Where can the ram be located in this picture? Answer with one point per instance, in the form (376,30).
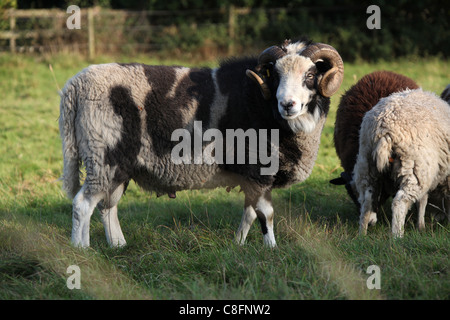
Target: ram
(119,120)
(352,107)
(405,143)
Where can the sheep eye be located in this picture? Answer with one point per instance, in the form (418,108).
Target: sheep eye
(310,76)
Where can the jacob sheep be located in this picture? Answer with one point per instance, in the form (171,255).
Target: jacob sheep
(122,122)
(405,138)
(352,107)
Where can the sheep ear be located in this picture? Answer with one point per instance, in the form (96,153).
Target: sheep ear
(343,179)
(265,91)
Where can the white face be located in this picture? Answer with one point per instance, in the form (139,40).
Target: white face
(295,91)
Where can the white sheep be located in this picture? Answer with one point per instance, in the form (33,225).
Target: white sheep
(404,139)
(354,104)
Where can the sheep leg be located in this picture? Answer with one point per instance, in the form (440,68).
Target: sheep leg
(400,206)
(421,205)
(110,221)
(108,213)
(258,207)
(83,207)
(265,213)
(368,216)
(248,216)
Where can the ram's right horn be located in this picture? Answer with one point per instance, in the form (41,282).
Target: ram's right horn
(332,79)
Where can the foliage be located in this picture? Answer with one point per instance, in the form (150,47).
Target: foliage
(4,6)
(408,27)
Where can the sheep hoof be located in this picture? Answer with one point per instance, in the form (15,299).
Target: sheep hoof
(172,195)
(372,219)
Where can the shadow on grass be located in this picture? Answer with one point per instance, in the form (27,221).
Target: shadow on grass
(318,201)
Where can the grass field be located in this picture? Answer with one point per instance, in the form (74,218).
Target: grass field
(183,248)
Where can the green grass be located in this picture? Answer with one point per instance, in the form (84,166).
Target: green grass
(183,248)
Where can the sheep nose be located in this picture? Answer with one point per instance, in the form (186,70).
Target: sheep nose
(287,105)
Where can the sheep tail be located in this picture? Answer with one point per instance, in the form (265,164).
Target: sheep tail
(72,162)
(382,153)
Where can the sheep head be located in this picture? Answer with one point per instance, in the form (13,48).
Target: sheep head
(298,72)
(329,65)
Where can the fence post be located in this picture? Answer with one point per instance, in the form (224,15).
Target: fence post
(12,26)
(91,33)
(231,28)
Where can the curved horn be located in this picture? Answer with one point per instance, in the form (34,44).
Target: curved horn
(265,91)
(269,55)
(332,79)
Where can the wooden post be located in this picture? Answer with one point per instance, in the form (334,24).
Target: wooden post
(12,26)
(231,28)
(91,33)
